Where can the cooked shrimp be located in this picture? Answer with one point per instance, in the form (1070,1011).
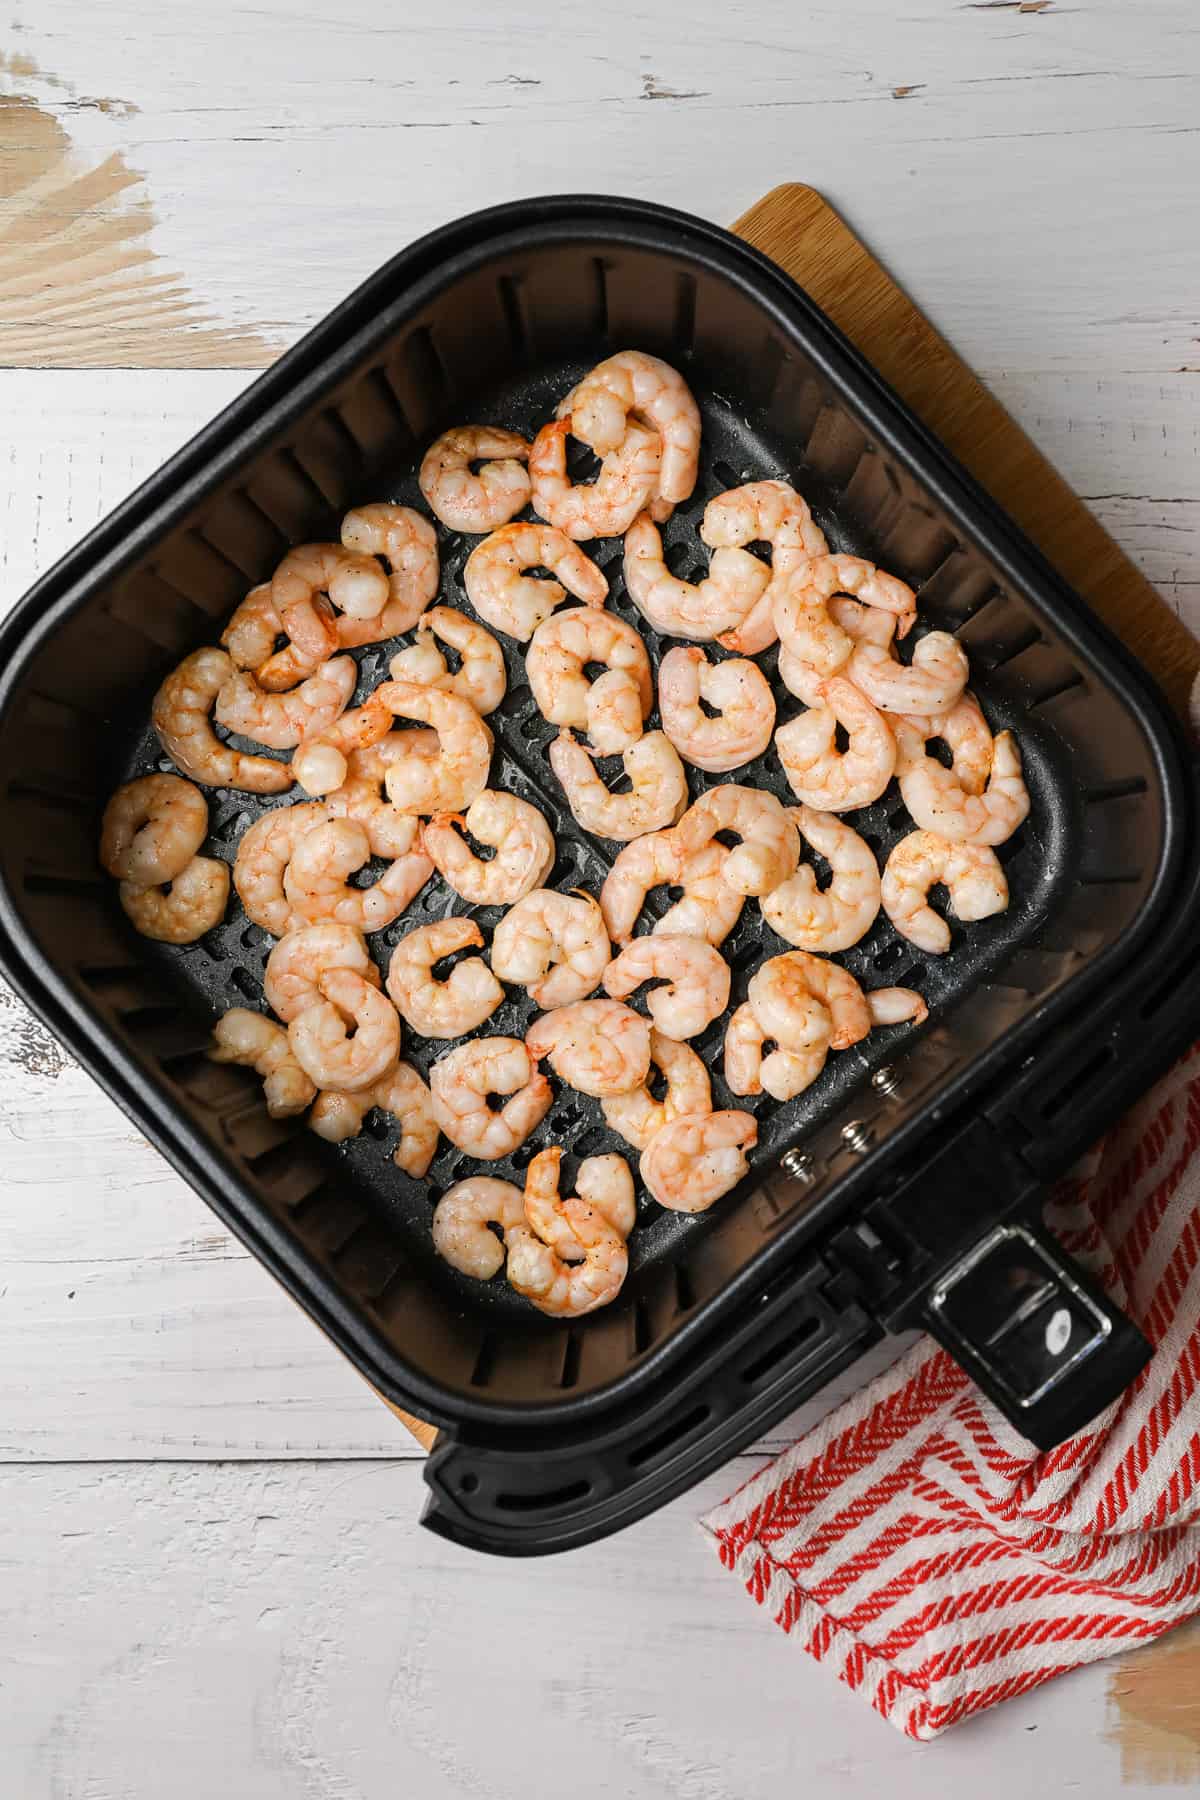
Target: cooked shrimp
(281,720)
(406,546)
(615,718)
(258,1043)
(696,977)
(442,1009)
(931,683)
(637,1115)
(737,689)
(399,1091)
(854,623)
(152,828)
(792,996)
(596,1046)
(751,1067)
(255,628)
(390,832)
(606,1183)
(836,917)
(804,618)
(656,798)
(770,848)
(317,884)
(554,945)
(633,383)
(775,512)
(516,603)
(463,1217)
(320,764)
(577,1261)
(181,716)
(348,1037)
(464,500)
(968,737)
(354,584)
(735,583)
(708,908)
(821,775)
(970,872)
(515,830)
(481,678)
(939,803)
(695,1159)
(897,1006)
(263,855)
(298,960)
(628,481)
(459,772)
(559,652)
(800,678)
(193,904)
(461,1082)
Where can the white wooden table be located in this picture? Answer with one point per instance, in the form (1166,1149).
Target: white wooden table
(211,1577)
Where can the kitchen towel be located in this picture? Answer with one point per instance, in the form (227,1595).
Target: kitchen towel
(920,1547)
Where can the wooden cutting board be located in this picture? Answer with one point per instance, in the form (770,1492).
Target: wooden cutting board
(802,233)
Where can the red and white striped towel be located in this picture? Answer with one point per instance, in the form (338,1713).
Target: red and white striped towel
(931,1555)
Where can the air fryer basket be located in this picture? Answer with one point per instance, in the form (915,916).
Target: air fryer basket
(493,319)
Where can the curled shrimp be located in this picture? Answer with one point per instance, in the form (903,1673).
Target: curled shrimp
(316,881)
(400,1092)
(281,720)
(298,960)
(391,833)
(932,683)
(258,1043)
(263,855)
(804,619)
(696,977)
(637,1115)
(856,624)
(462,1221)
(632,383)
(353,583)
(824,777)
(402,544)
(897,1006)
(515,830)
(793,995)
(348,1036)
(516,603)
(755,1063)
(152,828)
(695,1159)
(965,733)
(707,908)
(971,874)
(775,512)
(461,1082)
(835,917)
(939,803)
(442,1009)
(556,661)
(657,794)
(606,1184)
(735,583)
(459,772)
(181,716)
(597,1047)
(628,481)
(577,1260)
(737,690)
(321,763)
(464,500)
(194,903)
(770,848)
(256,627)
(481,678)
(554,945)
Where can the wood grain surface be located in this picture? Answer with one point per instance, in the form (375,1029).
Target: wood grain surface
(211,1563)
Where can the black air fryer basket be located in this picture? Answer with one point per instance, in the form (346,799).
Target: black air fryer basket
(905,1187)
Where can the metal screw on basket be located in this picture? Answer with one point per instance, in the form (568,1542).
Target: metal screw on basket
(857,1136)
(799,1165)
(886,1081)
